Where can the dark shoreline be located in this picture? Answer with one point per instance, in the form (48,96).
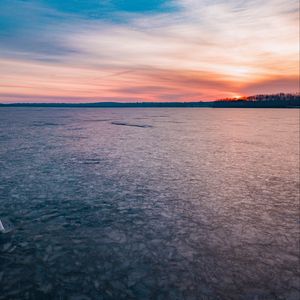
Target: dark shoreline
(258,101)
(150,105)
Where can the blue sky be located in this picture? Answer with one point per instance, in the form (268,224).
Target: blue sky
(91,7)
(32,24)
(147,50)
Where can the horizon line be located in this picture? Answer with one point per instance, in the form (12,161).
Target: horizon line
(240,98)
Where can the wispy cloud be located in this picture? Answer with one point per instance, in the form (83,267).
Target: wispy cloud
(191,51)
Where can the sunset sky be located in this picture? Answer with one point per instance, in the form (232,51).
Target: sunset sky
(155,50)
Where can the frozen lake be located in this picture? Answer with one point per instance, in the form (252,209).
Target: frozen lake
(143,204)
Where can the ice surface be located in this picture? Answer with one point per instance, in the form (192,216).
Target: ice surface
(204,205)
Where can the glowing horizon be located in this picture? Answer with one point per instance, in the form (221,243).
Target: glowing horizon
(176,50)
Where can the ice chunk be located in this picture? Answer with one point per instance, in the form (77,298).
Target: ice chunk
(1,227)
(5,226)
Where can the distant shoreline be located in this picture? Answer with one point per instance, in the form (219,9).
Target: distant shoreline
(149,105)
(258,101)
(91,105)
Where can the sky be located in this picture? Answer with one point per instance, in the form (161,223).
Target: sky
(147,50)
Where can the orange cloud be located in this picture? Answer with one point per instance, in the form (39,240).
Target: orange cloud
(202,52)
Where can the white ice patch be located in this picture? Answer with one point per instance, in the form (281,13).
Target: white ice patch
(5,226)
(2,229)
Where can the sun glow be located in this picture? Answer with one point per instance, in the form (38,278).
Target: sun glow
(238,97)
